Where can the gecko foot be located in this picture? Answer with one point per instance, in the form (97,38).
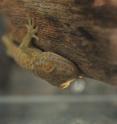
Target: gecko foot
(66,84)
(32,29)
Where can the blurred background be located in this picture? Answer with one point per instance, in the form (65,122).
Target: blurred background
(26,99)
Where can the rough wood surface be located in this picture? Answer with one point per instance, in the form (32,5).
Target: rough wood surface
(71,28)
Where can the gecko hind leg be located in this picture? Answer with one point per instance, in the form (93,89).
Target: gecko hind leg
(31,33)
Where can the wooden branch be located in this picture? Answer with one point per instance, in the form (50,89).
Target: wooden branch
(71,28)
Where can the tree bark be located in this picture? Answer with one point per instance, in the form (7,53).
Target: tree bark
(74,29)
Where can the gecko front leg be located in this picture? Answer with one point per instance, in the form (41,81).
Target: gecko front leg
(50,66)
(31,33)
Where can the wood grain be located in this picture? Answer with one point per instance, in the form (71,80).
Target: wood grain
(72,28)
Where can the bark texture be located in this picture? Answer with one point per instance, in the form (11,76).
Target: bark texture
(74,29)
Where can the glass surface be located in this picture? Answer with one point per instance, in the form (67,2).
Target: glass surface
(26,99)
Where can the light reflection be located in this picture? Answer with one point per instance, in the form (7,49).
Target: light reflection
(79,85)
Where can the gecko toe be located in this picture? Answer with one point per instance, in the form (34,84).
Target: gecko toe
(36,37)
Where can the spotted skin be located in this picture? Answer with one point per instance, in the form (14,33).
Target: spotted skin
(50,66)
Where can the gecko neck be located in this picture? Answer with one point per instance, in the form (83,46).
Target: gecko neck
(10,46)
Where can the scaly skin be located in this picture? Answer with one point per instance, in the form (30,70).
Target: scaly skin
(50,66)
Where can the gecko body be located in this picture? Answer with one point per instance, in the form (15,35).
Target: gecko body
(50,66)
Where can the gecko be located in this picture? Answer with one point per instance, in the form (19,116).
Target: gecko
(48,65)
